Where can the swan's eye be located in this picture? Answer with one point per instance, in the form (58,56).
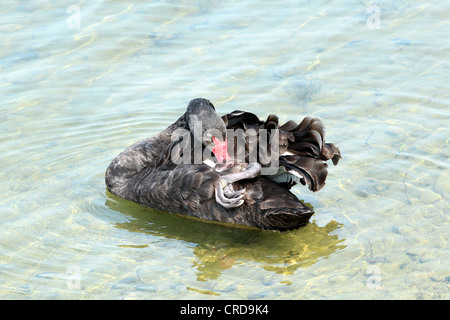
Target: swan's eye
(208,135)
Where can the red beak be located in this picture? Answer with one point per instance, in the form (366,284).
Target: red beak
(220,150)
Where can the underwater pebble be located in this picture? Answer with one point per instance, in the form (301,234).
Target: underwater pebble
(131,296)
(431,213)
(124,283)
(428,196)
(267,281)
(319,271)
(374,260)
(336,279)
(405,230)
(402,42)
(148,274)
(313,295)
(440,278)
(229,288)
(23,77)
(415,252)
(149,288)
(51,275)
(361,193)
(379,188)
(259,295)
(442,184)
(427,258)
(414,278)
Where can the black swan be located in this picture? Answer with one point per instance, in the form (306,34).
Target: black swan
(187,168)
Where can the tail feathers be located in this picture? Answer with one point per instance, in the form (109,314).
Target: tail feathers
(309,152)
(330,151)
(309,140)
(283,219)
(241,119)
(313,172)
(281,209)
(302,146)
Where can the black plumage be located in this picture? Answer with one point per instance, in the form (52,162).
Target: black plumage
(146,173)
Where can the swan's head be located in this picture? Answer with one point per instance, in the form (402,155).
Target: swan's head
(208,127)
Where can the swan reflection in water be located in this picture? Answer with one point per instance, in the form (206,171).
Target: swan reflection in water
(218,247)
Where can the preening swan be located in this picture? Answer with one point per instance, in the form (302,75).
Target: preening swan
(235,168)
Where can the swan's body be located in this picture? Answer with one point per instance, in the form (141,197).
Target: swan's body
(147,174)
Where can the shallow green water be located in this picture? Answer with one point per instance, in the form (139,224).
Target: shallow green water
(77,89)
